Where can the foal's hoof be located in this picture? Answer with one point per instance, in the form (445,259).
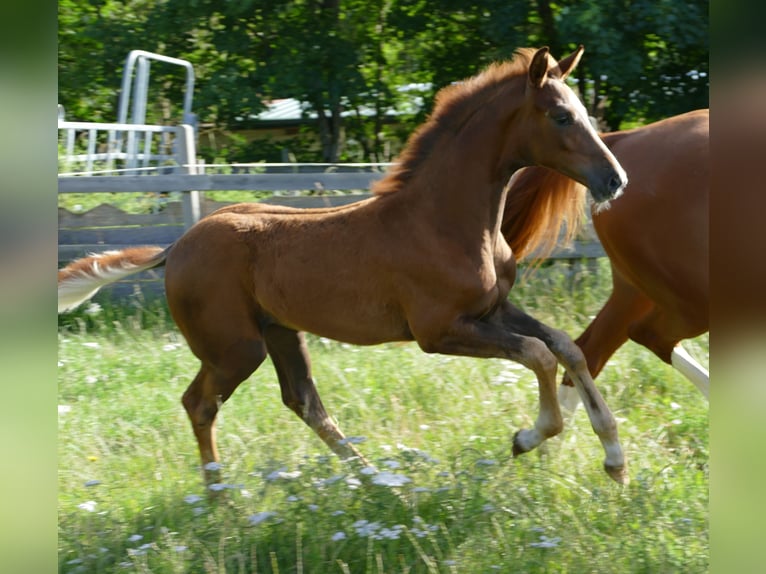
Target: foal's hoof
(518,448)
(617,473)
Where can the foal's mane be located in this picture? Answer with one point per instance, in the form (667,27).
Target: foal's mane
(539,203)
(454,106)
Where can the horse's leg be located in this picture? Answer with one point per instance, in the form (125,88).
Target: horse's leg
(496,336)
(661,333)
(573,360)
(606,333)
(212,386)
(287,349)
(691,369)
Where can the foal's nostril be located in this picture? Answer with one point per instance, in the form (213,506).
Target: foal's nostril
(616,183)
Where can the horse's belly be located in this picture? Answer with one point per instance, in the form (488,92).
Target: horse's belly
(358,323)
(340,302)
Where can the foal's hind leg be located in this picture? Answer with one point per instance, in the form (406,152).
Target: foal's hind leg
(571,356)
(289,354)
(212,386)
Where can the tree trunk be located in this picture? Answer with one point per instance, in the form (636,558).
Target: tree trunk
(549,27)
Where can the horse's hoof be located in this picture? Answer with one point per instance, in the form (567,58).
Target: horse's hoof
(618,473)
(517,449)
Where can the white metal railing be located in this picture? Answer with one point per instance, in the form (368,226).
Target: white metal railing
(91,148)
(138,64)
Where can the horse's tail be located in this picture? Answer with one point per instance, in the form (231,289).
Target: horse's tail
(82,278)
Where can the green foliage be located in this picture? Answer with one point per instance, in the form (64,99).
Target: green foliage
(130,492)
(644,60)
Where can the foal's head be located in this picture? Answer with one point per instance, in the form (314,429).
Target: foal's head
(559,133)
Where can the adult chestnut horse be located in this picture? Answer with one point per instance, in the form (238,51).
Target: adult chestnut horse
(656,236)
(423,259)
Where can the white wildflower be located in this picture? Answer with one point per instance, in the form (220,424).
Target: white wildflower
(338,536)
(282,474)
(90,506)
(353,483)
(331,480)
(259,517)
(546,542)
(352,440)
(137,551)
(93,309)
(192,498)
(390,533)
(424,455)
(365,528)
(390,479)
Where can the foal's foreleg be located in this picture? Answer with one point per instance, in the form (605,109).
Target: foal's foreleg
(475,338)
(287,349)
(573,360)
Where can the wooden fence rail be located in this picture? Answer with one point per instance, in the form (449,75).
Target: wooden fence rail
(106,227)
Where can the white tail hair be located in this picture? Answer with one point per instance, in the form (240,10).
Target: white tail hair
(82,278)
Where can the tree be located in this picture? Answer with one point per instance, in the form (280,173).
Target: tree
(645,59)
(351,60)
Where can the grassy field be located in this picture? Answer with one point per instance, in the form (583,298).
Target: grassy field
(448,498)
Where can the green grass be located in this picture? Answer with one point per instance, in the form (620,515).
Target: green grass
(131,497)
(147,202)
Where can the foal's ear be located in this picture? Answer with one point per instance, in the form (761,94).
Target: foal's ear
(566,65)
(538,69)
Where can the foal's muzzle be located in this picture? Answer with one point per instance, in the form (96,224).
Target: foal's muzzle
(610,186)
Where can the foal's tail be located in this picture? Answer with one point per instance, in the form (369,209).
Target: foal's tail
(82,278)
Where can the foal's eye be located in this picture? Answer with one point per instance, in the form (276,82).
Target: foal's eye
(563,119)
